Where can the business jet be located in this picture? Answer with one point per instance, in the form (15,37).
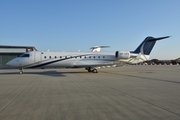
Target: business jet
(91,61)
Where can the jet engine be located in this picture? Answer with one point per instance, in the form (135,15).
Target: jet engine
(122,54)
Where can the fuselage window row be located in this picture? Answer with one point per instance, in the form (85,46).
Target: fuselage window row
(76,57)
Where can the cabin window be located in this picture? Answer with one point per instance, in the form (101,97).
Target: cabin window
(50,57)
(94,57)
(44,57)
(60,56)
(84,56)
(98,56)
(89,56)
(103,56)
(55,57)
(24,55)
(80,56)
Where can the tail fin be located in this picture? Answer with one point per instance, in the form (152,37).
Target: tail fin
(147,45)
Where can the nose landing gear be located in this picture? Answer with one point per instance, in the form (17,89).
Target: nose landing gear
(21,71)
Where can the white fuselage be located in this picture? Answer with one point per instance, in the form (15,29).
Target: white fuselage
(36,59)
(88,60)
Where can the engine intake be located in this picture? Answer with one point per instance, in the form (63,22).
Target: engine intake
(122,54)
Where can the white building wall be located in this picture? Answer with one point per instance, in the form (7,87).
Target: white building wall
(12,50)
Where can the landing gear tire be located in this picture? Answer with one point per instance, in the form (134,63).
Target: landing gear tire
(89,70)
(94,71)
(21,71)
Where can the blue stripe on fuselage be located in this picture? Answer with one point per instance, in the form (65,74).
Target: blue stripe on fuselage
(47,63)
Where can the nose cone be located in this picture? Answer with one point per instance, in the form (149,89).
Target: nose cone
(12,63)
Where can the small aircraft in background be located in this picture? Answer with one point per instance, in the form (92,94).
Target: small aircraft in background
(98,48)
(91,61)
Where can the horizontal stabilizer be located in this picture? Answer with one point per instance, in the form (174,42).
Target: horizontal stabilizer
(160,38)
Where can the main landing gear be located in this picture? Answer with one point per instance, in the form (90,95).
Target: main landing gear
(93,70)
(21,71)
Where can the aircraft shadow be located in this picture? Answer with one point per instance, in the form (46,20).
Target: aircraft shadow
(52,73)
(45,73)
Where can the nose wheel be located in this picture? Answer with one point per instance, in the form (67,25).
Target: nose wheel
(21,71)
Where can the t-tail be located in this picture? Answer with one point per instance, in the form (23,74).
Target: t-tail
(147,45)
(142,52)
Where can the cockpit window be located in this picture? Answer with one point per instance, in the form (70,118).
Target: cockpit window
(24,55)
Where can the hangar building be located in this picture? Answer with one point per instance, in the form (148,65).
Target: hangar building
(9,52)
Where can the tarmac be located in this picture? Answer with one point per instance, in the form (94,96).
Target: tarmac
(135,92)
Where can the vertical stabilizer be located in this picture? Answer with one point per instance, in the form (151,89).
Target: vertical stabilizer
(147,45)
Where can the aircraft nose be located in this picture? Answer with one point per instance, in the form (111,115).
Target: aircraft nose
(11,63)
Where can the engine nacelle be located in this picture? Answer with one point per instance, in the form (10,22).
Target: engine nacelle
(122,54)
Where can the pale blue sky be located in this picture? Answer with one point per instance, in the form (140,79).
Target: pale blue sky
(72,25)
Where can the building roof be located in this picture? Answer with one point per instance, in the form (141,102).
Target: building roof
(6,49)
(10,46)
